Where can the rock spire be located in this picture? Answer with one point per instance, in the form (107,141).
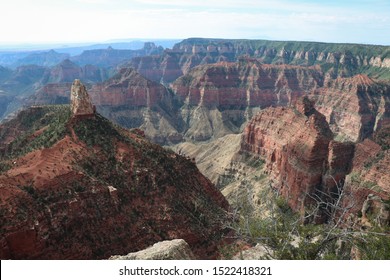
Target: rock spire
(80,101)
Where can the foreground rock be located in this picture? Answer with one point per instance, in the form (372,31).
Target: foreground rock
(176,249)
(81,188)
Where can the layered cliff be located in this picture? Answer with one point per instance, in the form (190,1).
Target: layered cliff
(78,187)
(214,100)
(354,107)
(302,159)
(337,60)
(133,101)
(219,98)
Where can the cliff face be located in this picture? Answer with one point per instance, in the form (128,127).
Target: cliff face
(80,188)
(337,60)
(247,83)
(300,155)
(219,98)
(368,183)
(354,107)
(133,101)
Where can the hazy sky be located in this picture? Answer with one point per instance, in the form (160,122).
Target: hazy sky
(49,21)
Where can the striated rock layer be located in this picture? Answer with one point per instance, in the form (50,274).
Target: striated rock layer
(301,156)
(337,60)
(220,98)
(214,100)
(354,107)
(135,102)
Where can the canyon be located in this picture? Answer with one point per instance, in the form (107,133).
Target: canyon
(307,122)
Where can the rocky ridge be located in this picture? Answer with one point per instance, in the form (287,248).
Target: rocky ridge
(337,60)
(77,187)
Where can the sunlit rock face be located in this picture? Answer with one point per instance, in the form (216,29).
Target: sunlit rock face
(80,101)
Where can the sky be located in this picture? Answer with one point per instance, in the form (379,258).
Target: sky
(66,21)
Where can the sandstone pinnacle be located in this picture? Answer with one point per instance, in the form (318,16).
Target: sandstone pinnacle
(80,101)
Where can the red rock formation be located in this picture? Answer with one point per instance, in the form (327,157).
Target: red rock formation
(112,57)
(354,107)
(99,191)
(133,101)
(219,98)
(129,88)
(245,84)
(368,183)
(300,154)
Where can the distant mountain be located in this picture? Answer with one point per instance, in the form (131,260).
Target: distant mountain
(66,71)
(47,59)
(121,45)
(14,56)
(112,57)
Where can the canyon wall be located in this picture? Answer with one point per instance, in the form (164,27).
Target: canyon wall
(303,161)
(336,60)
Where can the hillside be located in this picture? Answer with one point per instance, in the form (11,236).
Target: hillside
(74,186)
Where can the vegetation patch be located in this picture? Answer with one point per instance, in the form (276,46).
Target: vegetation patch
(52,118)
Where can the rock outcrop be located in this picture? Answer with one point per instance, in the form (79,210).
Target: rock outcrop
(80,101)
(176,249)
(80,188)
(301,156)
